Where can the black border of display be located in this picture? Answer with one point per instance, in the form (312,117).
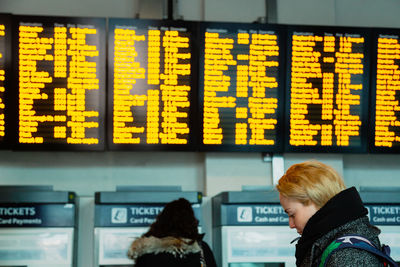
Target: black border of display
(192,142)
(100,24)
(365,101)
(280,30)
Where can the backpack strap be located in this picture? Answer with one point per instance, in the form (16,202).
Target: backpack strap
(358,242)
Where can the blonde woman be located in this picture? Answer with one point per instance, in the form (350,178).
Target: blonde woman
(321,209)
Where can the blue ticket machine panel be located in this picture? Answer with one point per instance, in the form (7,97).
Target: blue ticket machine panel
(383,206)
(37,227)
(250,229)
(123,216)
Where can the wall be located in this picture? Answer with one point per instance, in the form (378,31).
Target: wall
(91,8)
(307,12)
(211,173)
(367,13)
(89,172)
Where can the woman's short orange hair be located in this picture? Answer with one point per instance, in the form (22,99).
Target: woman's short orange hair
(310,181)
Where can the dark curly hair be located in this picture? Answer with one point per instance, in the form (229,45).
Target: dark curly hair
(176,219)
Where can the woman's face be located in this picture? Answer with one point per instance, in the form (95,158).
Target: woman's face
(298,213)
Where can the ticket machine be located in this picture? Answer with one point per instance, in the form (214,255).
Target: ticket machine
(37,227)
(124,215)
(251,229)
(383,206)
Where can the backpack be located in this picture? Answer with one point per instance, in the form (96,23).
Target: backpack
(358,242)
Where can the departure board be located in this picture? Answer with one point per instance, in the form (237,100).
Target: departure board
(152,85)
(327,89)
(241,90)
(5,72)
(385,97)
(60,62)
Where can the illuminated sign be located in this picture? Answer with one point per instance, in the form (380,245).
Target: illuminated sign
(386,92)
(327,90)
(151,80)
(5,51)
(178,85)
(241,93)
(61,85)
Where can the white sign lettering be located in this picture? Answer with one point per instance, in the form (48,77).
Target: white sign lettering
(20,211)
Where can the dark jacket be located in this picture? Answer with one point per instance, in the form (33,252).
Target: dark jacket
(343,214)
(169,252)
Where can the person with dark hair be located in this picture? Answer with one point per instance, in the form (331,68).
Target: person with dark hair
(173,240)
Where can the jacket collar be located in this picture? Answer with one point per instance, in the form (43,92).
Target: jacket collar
(175,246)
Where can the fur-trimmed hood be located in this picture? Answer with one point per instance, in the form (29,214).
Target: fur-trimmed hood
(153,245)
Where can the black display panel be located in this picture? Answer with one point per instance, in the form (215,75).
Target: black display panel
(385,91)
(327,89)
(60,64)
(241,87)
(152,85)
(5,75)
